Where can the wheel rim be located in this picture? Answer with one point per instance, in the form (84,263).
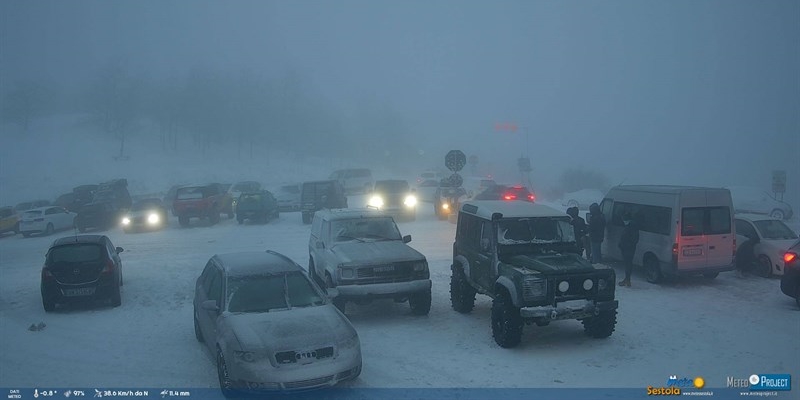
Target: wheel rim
(777,214)
(765,266)
(652,273)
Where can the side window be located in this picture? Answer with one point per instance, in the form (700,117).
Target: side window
(745,229)
(719,221)
(606,206)
(207,273)
(215,286)
(655,219)
(692,221)
(486,233)
(50,211)
(326,227)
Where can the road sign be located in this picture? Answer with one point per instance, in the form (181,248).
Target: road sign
(779,181)
(455,160)
(455,180)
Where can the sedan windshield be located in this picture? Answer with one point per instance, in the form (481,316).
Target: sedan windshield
(264,293)
(774,229)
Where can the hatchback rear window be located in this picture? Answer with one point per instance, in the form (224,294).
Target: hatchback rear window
(75,253)
(190,193)
(32,214)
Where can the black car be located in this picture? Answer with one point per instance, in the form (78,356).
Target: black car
(317,195)
(258,206)
(145,214)
(81,268)
(790,281)
(100,215)
(507,193)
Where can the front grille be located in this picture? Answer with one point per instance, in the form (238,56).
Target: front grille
(308,382)
(385,273)
(292,356)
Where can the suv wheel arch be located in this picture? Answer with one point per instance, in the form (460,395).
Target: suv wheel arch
(503,283)
(462,262)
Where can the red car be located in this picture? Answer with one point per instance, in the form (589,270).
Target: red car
(504,192)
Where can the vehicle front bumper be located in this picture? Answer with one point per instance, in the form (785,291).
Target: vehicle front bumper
(263,377)
(573,310)
(383,289)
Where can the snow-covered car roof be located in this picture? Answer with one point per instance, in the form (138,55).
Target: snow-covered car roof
(77,239)
(509,209)
(256,262)
(350,213)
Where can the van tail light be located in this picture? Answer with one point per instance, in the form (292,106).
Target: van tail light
(789,257)
(675,253)
(109,268)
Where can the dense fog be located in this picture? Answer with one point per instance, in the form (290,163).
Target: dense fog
(678,92)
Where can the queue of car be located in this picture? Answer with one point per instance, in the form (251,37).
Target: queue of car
(273,325)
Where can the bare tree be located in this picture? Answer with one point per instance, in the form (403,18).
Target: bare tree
(114,103)
(24,102)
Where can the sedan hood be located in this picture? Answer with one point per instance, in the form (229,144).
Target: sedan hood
(290,329)
(551,263)
(375,252)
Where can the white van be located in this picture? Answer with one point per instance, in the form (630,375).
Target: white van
(683,230)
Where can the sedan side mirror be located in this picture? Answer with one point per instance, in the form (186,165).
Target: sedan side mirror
(120,250)
(406,238)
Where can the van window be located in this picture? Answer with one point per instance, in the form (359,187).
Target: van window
(653,219)
(696,221)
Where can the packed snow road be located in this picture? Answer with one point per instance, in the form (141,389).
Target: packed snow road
(689,327)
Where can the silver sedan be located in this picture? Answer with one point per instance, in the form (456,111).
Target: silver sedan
(270,327)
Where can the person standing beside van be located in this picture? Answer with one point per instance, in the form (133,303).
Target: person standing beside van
(627,244)
(579,226)
(597,232)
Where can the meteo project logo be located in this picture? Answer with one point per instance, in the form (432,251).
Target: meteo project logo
(675,386)
(762,382)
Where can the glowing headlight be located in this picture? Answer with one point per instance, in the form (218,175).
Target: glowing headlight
(153,218)
(563,286)
(376,201)
(410,201)
(126,221)
(588,284)
(445,206)
(347,273)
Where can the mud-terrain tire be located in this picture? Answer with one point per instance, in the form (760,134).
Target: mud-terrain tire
(420,302)
(506,321)
(601,326)
(462,294)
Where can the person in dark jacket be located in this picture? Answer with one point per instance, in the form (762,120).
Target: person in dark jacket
(746,256)
(579,226)
(597,232)
(627,244)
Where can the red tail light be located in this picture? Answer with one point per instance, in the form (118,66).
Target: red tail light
(509,196)
(789,257)
(109,268)
(531,197)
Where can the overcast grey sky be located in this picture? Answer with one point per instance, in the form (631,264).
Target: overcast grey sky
(647,91)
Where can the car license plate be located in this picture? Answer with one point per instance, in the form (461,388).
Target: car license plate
(88,291)
(385,268)
(693,252)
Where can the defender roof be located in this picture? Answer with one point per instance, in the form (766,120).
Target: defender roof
(255,263)
(509,209)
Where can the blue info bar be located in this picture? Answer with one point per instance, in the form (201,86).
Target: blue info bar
(771,382)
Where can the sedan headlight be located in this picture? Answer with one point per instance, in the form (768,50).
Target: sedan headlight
(533,288)
(410,201)
(246,356)
(376,201)
(126,221)
(347,273)
(420,266)
(350,343)
(153,218)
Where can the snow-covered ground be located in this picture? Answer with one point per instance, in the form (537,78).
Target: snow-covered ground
(690,327)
